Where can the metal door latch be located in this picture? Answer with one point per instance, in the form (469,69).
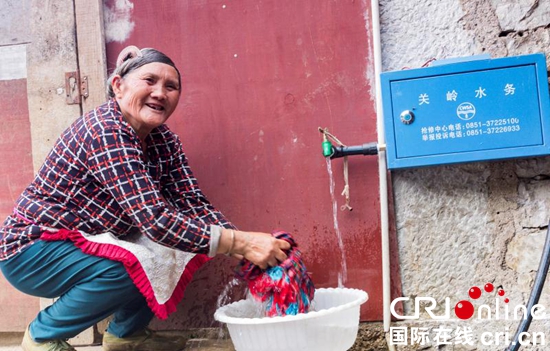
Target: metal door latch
(75,88)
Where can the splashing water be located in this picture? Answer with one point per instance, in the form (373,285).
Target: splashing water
(224,299)
(343,275)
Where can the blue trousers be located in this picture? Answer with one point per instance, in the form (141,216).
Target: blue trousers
(89,289)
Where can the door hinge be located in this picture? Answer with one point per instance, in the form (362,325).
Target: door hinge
(75,87)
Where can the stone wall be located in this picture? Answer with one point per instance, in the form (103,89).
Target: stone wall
(468,225)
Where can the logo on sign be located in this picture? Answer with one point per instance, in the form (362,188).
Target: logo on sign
(466,111)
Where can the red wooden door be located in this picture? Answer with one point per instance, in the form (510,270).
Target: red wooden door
(259,78)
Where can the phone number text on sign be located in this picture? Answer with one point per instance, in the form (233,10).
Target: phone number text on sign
(493,126)
(470,129)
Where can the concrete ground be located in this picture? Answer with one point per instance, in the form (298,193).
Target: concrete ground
(84,348)
(202,346)
(369,338)
(195,345)
(11,342)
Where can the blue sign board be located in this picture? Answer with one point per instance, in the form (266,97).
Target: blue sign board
(467,111)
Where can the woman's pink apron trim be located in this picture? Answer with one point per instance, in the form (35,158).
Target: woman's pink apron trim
(110,249)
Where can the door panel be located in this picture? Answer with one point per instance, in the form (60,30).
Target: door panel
(16,172)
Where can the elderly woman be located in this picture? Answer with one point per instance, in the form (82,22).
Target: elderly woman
(120,174)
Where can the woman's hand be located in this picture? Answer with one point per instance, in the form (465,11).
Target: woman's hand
(262,249)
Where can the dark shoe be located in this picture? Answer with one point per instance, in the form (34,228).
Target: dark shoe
(29,344)
(145,340)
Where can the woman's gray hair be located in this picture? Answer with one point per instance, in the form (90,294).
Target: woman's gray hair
(131,58)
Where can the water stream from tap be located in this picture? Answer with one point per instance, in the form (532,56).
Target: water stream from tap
(343,274)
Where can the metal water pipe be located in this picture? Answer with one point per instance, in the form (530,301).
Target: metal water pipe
(332,151)
(382,171)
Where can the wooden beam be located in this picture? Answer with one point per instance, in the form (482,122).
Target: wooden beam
(50,54)
(54,50)
(92,65)
(92,60)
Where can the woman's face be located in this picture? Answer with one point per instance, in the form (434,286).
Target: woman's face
(147,96)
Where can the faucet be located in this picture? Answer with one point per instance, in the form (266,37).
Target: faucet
(332,151)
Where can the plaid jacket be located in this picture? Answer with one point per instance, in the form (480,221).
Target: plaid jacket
(96,179)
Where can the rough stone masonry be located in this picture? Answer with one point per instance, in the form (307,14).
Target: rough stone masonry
(467,225)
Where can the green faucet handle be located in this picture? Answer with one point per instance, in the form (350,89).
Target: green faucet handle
(327,148)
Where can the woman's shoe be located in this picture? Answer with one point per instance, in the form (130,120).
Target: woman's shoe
(29,344)
(145,340)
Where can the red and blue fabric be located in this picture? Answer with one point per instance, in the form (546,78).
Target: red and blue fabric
(286,289)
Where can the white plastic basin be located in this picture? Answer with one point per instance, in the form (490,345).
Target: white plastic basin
(332,326)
